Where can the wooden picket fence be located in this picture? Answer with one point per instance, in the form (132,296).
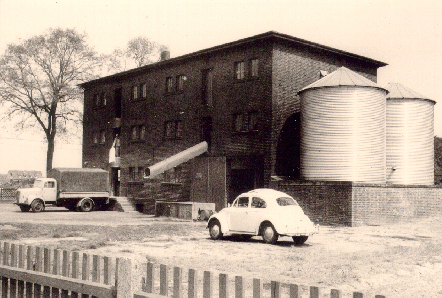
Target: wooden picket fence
(28,271)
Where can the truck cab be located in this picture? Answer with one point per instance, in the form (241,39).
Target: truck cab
(43,192)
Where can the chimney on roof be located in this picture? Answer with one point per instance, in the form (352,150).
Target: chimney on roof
(165,55)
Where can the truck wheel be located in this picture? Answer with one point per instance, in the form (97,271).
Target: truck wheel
(86,205)
(25,208)
(37,206)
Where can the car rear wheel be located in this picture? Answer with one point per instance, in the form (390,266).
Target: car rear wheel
(37,206)
(299,239)
(268,233)
(215,230)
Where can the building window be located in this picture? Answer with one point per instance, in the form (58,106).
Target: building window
(173,129)
(102,136)
(143,88)
(174,175)
(240,70)
(134,92)
(180,82)
(140,173)
(254,65)
(207,87)
(245,122)
(95,137)
(100,99)
(132,174)
(169,84)
(138,133)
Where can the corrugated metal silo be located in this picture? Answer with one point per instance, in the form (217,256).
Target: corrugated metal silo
(343,129)
(410,137)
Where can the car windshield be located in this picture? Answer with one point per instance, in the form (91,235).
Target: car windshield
(38,183)
(286,201)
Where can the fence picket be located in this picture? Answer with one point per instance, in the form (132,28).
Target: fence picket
(314,292)
(38,266)
(257,288)
(56,271)
(96,268)
(47,269)
(294,291)
(275,288)
(85,270)
(192,284)
(75,269)
(21,264)
(29,266)
(164,280)
(207,284)
(150,278)
(177,282)
(13,263)
(223,285)
(107,263)
(239,287)
(357,295)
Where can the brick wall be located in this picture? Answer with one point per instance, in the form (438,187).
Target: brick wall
(346,203)
(380,204)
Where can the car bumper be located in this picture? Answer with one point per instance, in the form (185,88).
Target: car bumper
(303,231)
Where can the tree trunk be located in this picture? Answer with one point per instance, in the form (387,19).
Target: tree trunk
(50,152)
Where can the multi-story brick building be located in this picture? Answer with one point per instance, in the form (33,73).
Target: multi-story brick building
(240,97)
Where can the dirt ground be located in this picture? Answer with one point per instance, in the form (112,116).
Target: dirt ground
(395,260)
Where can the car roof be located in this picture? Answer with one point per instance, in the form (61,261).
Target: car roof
(268,192)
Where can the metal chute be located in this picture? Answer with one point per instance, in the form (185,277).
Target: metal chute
(175,160)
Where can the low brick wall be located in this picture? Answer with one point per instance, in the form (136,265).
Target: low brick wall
(381,204)
(353,204)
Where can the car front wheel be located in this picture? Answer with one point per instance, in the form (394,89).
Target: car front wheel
(215,230)
(299,239)
(268,233)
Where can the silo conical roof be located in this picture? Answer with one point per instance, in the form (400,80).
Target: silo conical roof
(399,91)
(342,77)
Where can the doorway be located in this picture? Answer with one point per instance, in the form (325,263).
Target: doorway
(242,180)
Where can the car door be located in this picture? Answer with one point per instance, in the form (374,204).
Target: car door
(49,191)
(238,213)
(257,212)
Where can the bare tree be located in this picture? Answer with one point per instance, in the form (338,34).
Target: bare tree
(38,82)
(140,51)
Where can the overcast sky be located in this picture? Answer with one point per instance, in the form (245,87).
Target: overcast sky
(407,35)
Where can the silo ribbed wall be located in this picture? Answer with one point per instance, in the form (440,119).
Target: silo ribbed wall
(410,141)
(343,134)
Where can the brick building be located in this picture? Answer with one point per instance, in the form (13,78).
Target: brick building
(240,97)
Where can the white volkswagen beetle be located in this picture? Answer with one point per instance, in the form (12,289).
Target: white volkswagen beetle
(265,212)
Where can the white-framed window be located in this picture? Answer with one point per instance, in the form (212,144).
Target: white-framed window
(143,90)
(180,82)
(240,70)
(134,92)
(169,84)
(254,66)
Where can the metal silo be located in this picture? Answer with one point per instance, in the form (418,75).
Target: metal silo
(343,129)
(410,137)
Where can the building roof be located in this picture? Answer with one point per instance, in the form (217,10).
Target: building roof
(399,91)
(268,36)
(342,77)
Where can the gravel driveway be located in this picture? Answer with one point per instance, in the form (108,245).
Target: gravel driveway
(396,260)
